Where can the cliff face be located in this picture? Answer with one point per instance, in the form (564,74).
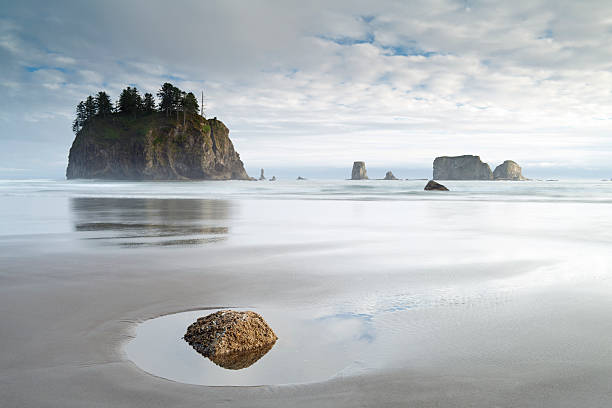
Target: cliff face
(154,147)
(508,170)
(461,168)
(359,171)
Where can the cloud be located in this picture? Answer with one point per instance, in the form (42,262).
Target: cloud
(320,83)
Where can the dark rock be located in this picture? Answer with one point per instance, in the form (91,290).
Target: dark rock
(359,171)
(231,339)
(461,168)
(508,170)
(300,178)
(273,178)
(154,147)
(261,175)
(389,176)
(432,185)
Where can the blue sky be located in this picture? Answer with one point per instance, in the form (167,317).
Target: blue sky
(317,85)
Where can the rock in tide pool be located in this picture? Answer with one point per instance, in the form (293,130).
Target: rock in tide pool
(231,339)
(508,170)
(432,185)
(359,171)
(390,176)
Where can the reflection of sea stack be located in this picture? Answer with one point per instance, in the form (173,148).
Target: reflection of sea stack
(390,176)
(261,176)
(231,339)
(359,171)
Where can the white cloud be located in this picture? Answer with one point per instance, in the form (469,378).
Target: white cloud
(314,83)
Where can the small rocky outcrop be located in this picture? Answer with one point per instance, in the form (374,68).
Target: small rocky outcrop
(508,170)
(261,175)
(273,178)
(389,176)
(231,339)
(433,186)
(154,146)
(461,168)
(300,178)
(359,171)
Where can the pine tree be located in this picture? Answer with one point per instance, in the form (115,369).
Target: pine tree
(148,103)
(79,121)
(166,95)
(91,107)
(104,104)
(130,101)
(190,104)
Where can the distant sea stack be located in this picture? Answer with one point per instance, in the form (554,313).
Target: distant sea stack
(359,171)
(508,170)
(461,168)
(389,176)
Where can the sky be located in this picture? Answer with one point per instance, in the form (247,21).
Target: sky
(309,87)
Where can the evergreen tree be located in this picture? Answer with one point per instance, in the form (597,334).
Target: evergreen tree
(104,104)
(166,96)
(79,121)
(91,107)
(190,104)
(148,103)
(130,101)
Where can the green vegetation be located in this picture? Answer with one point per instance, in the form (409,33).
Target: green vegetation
(131,105)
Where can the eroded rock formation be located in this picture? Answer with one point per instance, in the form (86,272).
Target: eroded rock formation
(508,170)
(461,168)
(389,176)
(359,171)
(154,146)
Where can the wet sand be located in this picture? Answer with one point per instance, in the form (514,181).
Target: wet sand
(484,325)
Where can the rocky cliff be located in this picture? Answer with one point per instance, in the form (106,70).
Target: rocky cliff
(508,170)
(359,171)
(154,146)
(461,168)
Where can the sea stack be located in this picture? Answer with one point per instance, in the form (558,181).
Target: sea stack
(508,170)
(461,168)
(261,175)
(389,176)
(153,146)
(359,171)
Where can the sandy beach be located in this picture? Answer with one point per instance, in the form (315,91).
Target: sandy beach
(478,313)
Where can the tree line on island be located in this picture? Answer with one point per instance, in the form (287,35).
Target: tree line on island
(172,100)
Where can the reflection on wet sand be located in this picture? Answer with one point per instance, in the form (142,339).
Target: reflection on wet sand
(138,222)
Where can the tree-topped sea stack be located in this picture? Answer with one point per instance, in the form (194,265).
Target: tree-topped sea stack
(135,141)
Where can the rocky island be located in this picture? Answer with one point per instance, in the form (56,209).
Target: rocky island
(508,170)
(461,168)
(359,171)
(470,167)
(136,140)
